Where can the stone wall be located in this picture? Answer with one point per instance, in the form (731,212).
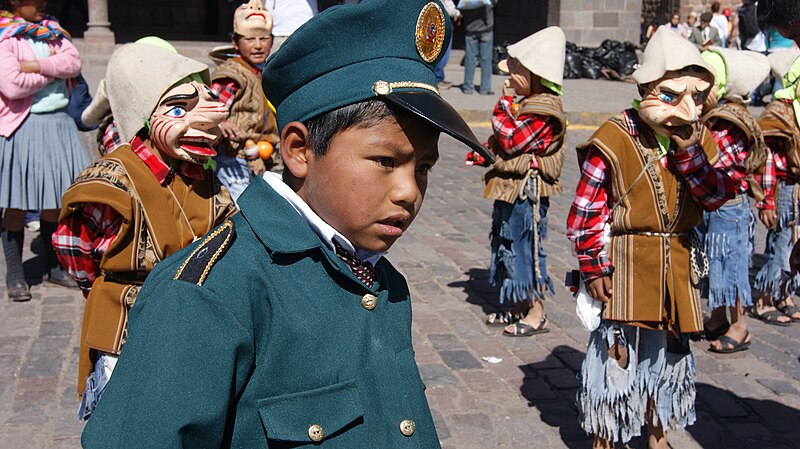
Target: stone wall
(590,22)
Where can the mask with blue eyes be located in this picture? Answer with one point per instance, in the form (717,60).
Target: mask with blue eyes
(674,101)
(185,124)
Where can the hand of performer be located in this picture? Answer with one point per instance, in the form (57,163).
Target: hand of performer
(687,136)
(599,288)
(768,218)
(229,130)
(30,66)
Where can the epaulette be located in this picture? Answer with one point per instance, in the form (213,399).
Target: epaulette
(197,266)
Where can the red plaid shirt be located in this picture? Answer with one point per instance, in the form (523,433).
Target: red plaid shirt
(732,146)
(591,207)
(528,133)
(226,88)
(780,168)
(83,238)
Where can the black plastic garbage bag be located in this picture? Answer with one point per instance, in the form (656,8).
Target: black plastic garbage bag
(627,60)
(591,68)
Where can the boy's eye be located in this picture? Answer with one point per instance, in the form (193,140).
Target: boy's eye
(385,161)
(667,97)
(176,112)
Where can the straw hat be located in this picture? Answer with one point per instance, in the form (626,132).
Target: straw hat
(137,76)
(781,61)
(667,51)
(745,70)
(543,53)
(100,107)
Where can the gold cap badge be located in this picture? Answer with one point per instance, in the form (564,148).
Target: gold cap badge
(430,32)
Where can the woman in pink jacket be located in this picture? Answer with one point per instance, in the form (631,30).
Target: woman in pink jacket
(41,151)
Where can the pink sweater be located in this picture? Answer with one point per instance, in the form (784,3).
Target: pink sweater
(17,88)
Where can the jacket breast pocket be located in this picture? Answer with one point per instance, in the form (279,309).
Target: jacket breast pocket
(329,417)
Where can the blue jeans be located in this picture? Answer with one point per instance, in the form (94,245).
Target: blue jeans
(439,71)
(478,45)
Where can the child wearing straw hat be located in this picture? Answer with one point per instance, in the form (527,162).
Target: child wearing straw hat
(728,231)
(780,123)
(646,177)
(142,202)
(529,128)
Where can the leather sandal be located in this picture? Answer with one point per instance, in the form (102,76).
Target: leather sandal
(728,345)
(526,330)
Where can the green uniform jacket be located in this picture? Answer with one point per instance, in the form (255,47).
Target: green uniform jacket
(275,340)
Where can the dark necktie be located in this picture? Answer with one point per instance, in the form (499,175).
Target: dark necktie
(364,271)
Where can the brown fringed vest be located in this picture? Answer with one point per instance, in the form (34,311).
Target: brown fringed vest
(153,228)
(778,122)
(249,111)
(505,180)
(647,231)
(737,115)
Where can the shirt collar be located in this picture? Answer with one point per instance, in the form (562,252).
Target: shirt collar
(325,231)
(161,170)
(632,122)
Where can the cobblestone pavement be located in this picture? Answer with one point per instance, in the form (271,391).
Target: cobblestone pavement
(747,400)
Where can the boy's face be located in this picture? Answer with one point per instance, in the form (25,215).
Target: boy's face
(370,184)
(185,124)
(519,78)
(674,101)
(254,50)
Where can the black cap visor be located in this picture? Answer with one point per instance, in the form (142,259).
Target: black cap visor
(439,113)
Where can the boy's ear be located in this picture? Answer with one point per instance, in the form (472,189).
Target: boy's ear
(295,149)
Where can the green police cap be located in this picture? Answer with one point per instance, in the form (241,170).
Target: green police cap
(374,49)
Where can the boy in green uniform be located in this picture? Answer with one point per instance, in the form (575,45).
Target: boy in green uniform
(285,326)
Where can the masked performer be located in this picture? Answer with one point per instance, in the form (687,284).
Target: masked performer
(649,174)
(142,202)
(41,151)
(237,81)
(728,231)
(780,125)
(528,134)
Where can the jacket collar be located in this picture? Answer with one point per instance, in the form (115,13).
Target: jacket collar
(283,230)
(276,223)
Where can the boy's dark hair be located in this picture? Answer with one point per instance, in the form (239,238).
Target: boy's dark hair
(715,7)
(322,128)
(783,13)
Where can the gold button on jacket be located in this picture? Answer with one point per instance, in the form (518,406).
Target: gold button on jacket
(407,427)
(316,433)
(369,301)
